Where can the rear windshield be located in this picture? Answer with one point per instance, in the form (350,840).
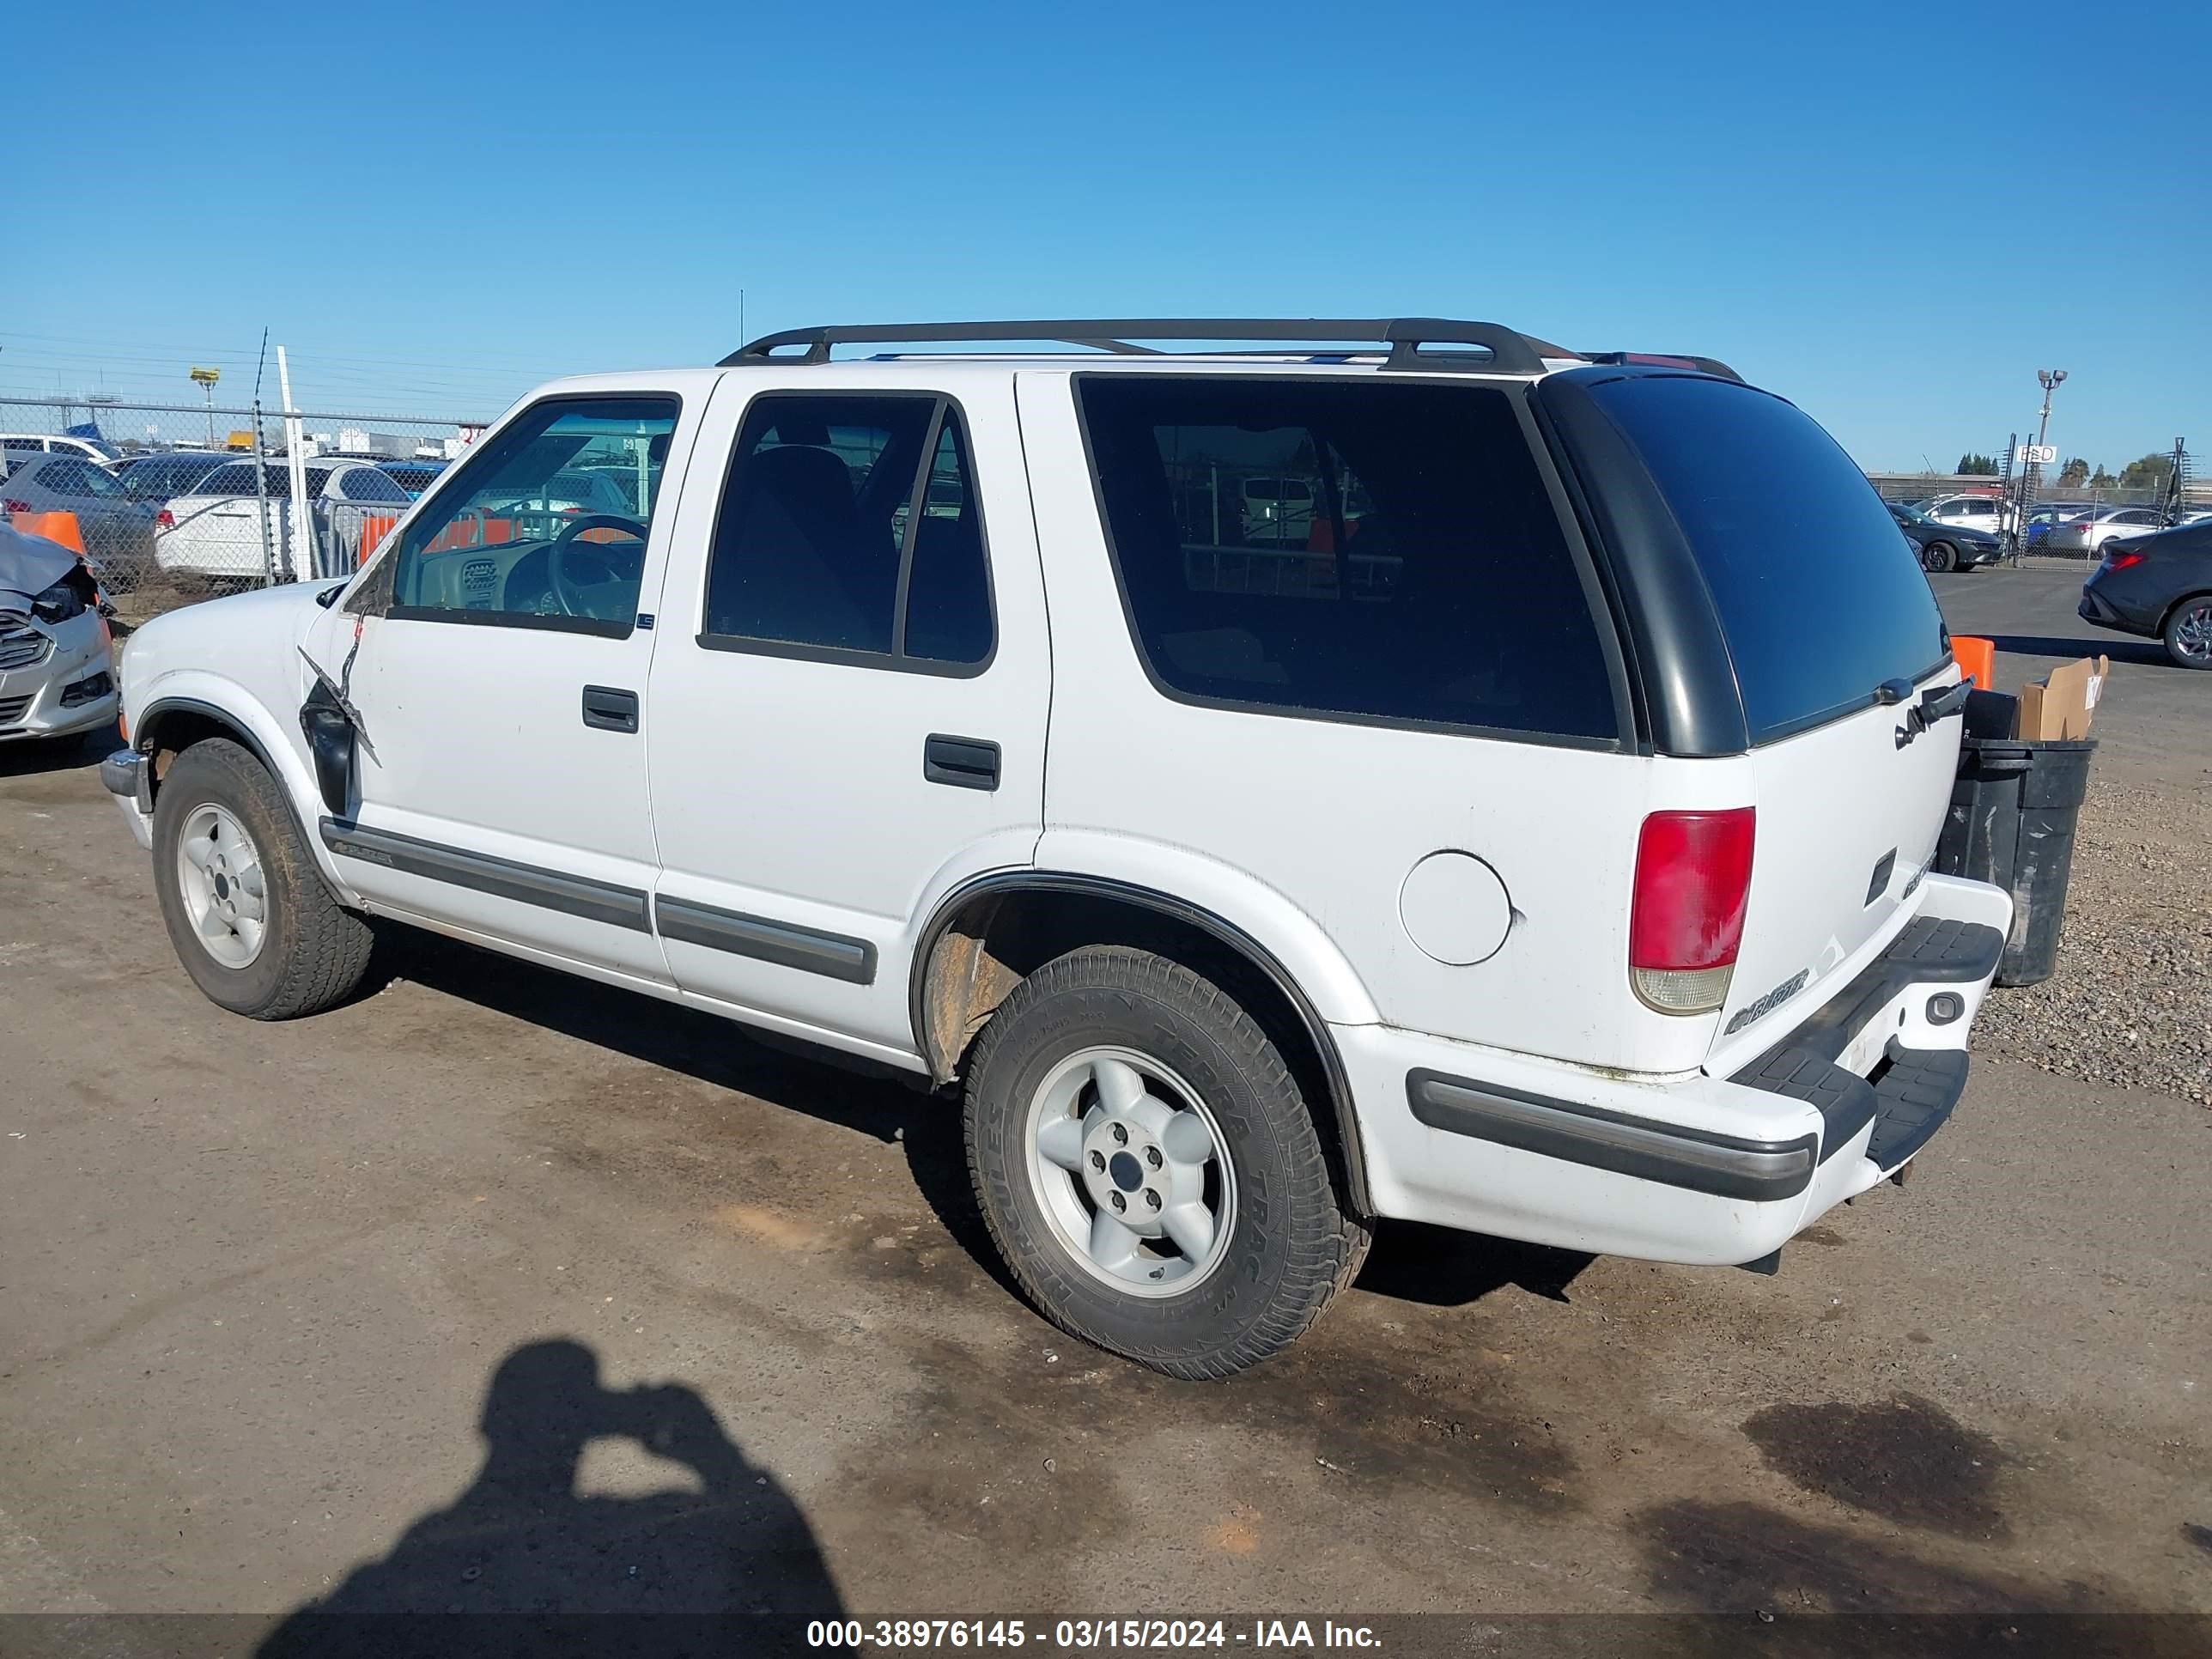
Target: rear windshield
(1821,599)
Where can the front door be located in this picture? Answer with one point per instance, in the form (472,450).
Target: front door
(849,702)
(500,683)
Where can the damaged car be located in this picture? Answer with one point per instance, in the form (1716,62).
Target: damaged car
(56,661)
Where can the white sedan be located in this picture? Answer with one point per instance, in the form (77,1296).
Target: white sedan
(216,531)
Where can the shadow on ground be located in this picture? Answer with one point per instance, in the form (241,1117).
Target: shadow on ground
(1427,1265)
(520,1562)
(30,757)
(2146,653)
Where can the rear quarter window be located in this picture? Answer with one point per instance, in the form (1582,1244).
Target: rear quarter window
(1821,599)
(1422,579)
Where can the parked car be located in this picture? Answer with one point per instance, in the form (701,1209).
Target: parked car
(214,533)
(413,476)
(1986,513)
(1607,917)
(171,473)
(2089,532)
(1940,546)
(116,532)
(97,450)
(2157,586)
(56,669)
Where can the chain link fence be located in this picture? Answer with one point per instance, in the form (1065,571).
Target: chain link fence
(174,502)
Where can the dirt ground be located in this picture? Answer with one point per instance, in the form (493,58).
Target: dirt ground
(517,1292)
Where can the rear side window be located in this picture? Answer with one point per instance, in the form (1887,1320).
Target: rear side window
(849,527)
(1821,599)
(1345,549)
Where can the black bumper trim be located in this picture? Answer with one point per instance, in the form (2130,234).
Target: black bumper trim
(1697,1160)
(525,884)
(1933,951)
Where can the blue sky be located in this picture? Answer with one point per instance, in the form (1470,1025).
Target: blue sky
(1892,214)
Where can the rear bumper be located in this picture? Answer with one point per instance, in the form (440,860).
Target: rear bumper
(1702,1169)
(2105,611)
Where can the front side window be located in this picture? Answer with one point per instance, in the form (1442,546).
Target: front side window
(532,533)
(1348,549)
(836,509)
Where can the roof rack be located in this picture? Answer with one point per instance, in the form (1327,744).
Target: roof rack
(1508,352)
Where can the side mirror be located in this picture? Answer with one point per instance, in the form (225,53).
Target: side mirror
(330,737)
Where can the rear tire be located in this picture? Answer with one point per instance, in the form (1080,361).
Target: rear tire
(2188,632)
(245,907)
(1112,1073)
(1939,556)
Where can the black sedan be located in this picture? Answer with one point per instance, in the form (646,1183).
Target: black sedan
(1945,546)
(2158,587)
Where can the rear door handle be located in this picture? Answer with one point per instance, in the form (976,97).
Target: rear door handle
(609,709)
(963,763)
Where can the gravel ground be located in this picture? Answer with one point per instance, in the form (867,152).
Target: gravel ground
(2131,1002)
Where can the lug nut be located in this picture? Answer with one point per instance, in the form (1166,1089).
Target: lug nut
(1119,1202)
(1097,1160)
(1152,1198)
(1153,1156)
(1120,1135)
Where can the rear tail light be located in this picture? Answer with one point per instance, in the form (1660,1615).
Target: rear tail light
(165,520)
(10,504)
(2116,560)
(1685,923)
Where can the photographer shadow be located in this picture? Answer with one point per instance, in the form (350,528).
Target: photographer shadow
(521,1562)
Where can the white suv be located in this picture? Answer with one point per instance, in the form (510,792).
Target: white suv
(1550,859)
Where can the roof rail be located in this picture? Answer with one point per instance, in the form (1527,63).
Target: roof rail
(1509,351)
(1665,360)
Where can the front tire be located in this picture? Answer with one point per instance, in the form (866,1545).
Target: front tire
(2188,632)
(1939,556)
(245,907)
(1149,1168)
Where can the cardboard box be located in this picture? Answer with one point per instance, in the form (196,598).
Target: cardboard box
(2062,705)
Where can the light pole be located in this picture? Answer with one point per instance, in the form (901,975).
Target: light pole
(2049,380)
(206,379)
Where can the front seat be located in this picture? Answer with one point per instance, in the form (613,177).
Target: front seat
(793,560)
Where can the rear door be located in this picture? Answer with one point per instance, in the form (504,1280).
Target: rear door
(1832,637)
(850,694)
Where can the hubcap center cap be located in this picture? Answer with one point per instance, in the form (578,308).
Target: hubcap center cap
(1128,1173)
(221,886)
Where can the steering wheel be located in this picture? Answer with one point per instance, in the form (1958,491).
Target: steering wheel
(619,574)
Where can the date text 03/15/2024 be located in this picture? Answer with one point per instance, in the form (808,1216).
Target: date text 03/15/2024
(1080,1634)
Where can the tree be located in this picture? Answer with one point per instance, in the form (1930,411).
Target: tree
(2101,479)
(2146,473)
(2076,472)
(1971,462)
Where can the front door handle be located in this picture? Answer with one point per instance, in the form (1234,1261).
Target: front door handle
(963,763)
(609,709)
